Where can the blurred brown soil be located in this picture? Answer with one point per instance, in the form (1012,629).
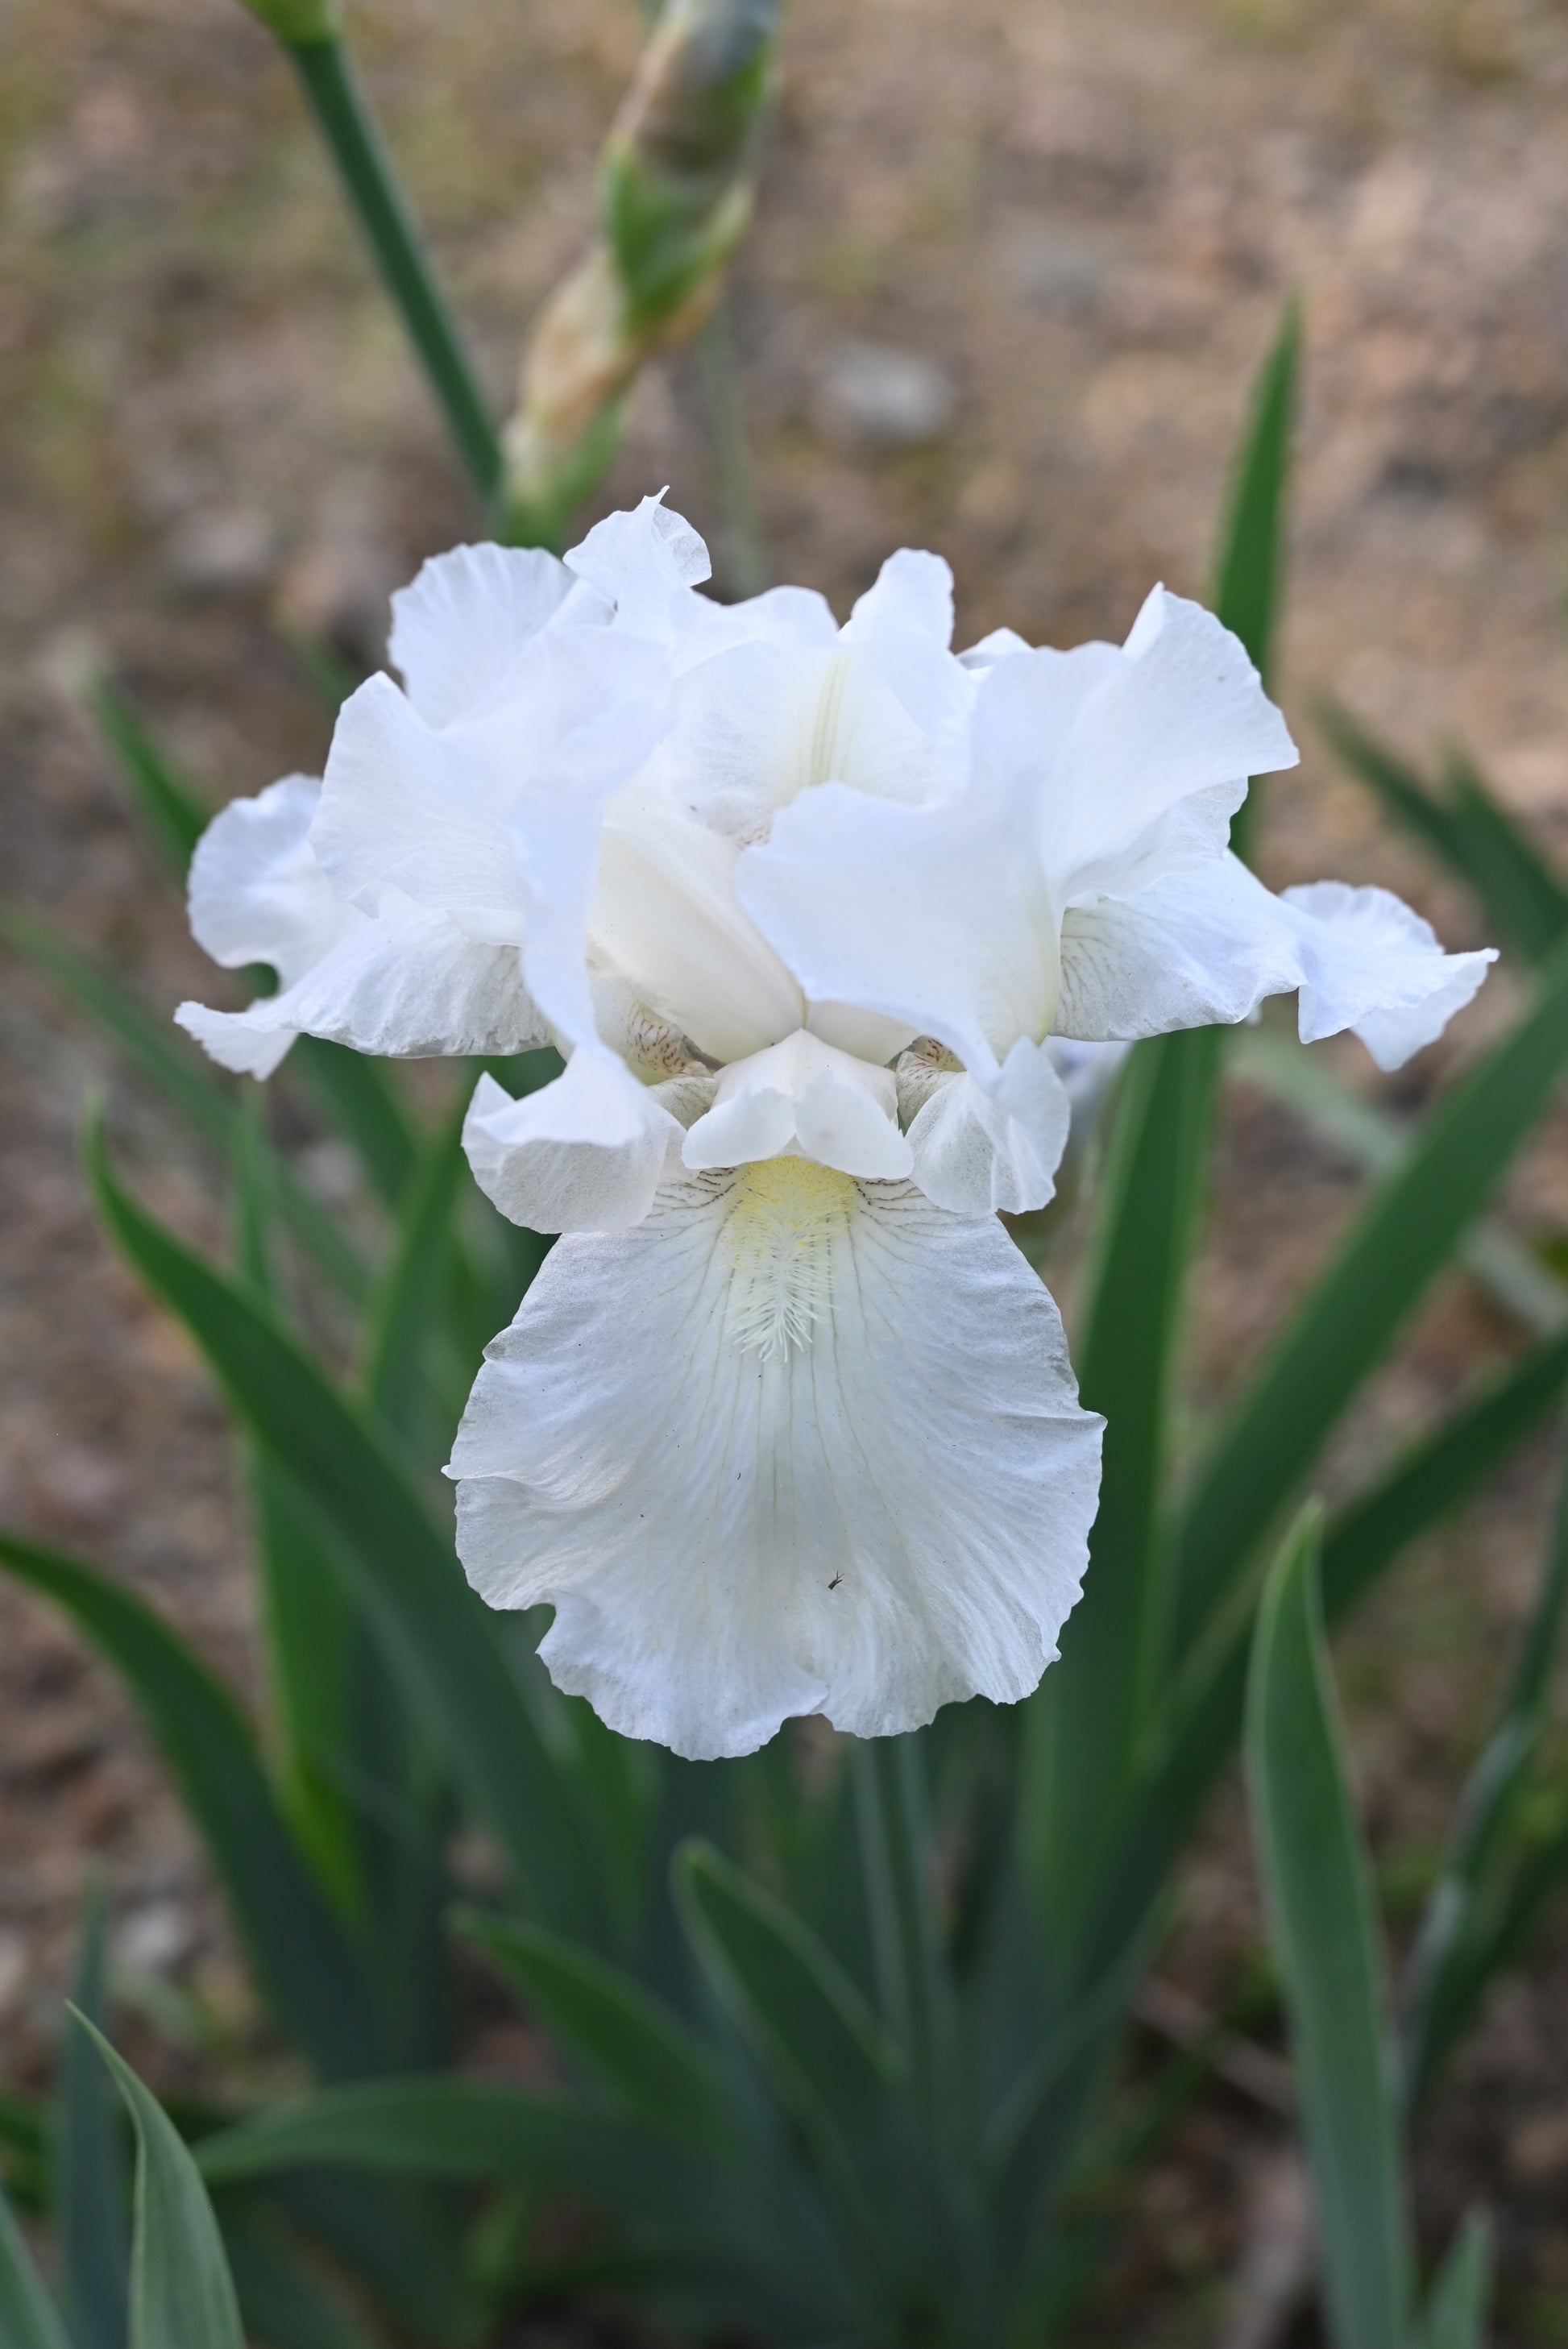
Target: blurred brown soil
(1015,264)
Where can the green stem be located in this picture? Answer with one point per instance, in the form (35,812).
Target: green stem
(369,180)
(731,457)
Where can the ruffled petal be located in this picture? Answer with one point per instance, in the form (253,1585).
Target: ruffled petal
(1369,963)
(935,916)
(644,563)
(990,1150)
(902,628)
(408,984)
(1000,645)
(762,722)
(1158,758)
(583,1154)
(795,1444)
(1199,946)
(419,809)
(913,592)
(257,893)
(804,1095)
(494,821)
(1207,945)
(457,630)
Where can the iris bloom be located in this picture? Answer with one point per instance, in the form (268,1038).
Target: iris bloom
(824,921)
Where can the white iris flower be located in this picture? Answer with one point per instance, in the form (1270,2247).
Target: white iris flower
(821,918)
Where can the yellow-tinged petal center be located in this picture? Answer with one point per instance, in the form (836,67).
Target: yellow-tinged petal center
(787,1218)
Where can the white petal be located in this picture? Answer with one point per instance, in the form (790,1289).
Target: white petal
(408,984)
(645,562)
(762,722)
(257,893)
(902,627)
(933,916)
(1000,645)
(913,590)
(493,821)
(1208,944)
(1159,756)
(583,1154)
(982,1151)
(792,1445)
(664,915)
(866,1034)
(1201,945)
(236,1039)
(1369,963)
(419,809)
(457,630)
(806,1096)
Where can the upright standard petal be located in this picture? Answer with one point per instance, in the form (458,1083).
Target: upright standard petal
(458,629)
(794,1444)
(1156,759)
(644,564)
(583,1154)
(926,915)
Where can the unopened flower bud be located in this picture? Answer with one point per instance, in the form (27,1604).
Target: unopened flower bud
(675,202)
(299,23)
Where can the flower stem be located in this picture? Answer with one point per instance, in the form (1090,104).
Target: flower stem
(731,456)
(370,182)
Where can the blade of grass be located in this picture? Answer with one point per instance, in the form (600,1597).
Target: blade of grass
(1519,889)
(27,2317)
(166,803)
(434,1632)
(468,2129)
(1455,2315)
(1402,1241)
(832,2066)
(1373,1138)
(1488,1809)
(1362,1542)
(1324,1932)
(406,1311)
(182,2294)
(1249,571)
(657,2069)
(1083,1727)
(184,1081)
(295,1944)
(1396,784)
(1469,830)
(361,1100)
(1498,1943)
(90,2226)
(308,1634)
(282,2300)
(916,1986)
(1437,1474)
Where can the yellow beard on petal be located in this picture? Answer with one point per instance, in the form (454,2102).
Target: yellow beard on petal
(786,1217)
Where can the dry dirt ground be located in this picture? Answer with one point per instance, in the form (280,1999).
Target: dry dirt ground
(1015,262)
